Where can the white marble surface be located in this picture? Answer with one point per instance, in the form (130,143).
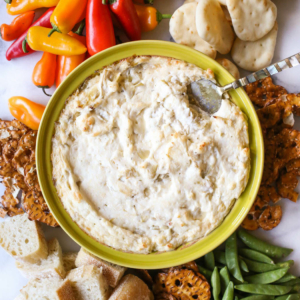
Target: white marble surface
(15,79)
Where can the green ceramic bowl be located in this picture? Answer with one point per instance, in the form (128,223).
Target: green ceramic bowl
(187,252)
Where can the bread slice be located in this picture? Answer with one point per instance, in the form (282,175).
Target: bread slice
(48,288)
(89,283)
(23,239)
(69,260)
(52,266)
(113,273)
(131,287)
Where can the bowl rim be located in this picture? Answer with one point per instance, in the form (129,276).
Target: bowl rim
(185,253)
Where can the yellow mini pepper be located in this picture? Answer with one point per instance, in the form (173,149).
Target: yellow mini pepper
(16,7)
(59,44)
(66,14)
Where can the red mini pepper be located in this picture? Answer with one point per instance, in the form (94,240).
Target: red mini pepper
(99,27)
(128,17)
(15,50)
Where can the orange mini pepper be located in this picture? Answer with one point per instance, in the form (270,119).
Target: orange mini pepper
(66,64)
(26,111)
(18,26)
(149,17)
(43,75)
(66,14)
(16,7)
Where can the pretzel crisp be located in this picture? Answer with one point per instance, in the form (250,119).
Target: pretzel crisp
(187,285)
(18,171)
(270,218)
(165,296)
(264,91)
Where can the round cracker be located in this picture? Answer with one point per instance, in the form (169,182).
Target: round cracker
(183,30)
(213,27)
(252,19)
(230,67)
(253,56)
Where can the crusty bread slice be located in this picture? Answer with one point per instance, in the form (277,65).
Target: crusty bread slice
(69,260)
(48,288)
(23,239)
(131,287)
(89,283)
(52,266)
(113,273)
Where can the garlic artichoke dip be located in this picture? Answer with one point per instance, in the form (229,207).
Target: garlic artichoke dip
(137,166)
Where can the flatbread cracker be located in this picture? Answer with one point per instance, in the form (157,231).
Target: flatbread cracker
(252,19)
(183,30)
(213,27)
(253,56)
(230,67)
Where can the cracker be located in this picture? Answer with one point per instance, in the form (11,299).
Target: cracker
(213,27)
(230,67)
(253,56)
(252,19)
(183,30)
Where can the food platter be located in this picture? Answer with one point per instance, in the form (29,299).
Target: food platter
(155,260)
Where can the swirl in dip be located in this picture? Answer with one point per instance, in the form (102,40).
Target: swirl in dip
(141,169)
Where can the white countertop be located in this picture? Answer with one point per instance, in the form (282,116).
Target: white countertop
(15,79)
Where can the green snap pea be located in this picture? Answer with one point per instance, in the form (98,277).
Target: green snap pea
(229,292)
(220,257)
(207,273)
(209,261)
(259,297)
(289,297)
(292,282)
(243,266)
(224,278)
(261,246)
(264,289)
(261,267)
(267,277)
(256,256)
(232,259)
(296,289)
(216,284)
(236,298)
(286,277)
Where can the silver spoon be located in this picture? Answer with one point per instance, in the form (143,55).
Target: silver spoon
(208,95)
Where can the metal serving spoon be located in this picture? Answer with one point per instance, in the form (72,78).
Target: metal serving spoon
(209,95)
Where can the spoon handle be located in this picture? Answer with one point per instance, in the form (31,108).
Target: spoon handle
(287,63)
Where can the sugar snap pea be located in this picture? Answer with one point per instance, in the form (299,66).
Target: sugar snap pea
(264,289)
(296,289)
(292,282)
(209,261)
(261,246)
(267,277)
(261,267)
(216,284)
(286,277)
(289,297)
(207,273)
(259,297)
(229,292)
(224,278)
(236,298)
(232,259)
(243,265)
(255,255)
(220,257)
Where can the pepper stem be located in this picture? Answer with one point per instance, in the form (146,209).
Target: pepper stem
(80,28)
(55,28)
(43,88)
(8,1)
(104,2)
(160,16)
(24,43)
(148,2)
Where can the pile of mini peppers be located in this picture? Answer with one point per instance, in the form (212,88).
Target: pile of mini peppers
(58,33)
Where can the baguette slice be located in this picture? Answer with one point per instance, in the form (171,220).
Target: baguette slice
(131,287)
(89,283)
(69,260)
(23,239)
(52,266)
(48,288)
(113,273)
